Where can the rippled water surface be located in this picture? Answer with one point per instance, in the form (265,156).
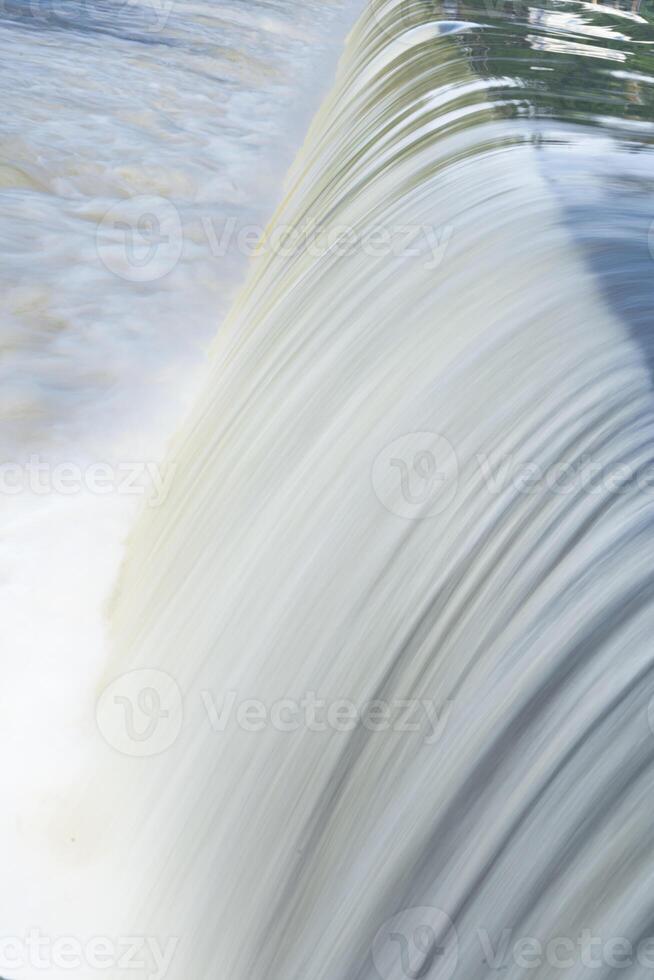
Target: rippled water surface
(106,101)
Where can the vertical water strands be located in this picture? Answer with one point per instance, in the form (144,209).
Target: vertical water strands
(418,481)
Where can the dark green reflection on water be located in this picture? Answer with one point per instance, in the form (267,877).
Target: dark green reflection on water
(578,80)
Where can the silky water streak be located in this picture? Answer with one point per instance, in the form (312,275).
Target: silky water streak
(343,525)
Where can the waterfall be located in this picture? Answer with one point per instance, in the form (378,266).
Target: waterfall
(383,654)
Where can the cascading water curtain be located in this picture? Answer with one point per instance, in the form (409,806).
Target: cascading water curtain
(378,703)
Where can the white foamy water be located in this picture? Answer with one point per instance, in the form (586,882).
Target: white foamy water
(133,136)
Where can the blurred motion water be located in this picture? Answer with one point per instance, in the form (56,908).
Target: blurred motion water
(383,495)
(125,125)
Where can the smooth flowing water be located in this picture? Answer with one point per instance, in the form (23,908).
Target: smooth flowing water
(140,146)
(419,479)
